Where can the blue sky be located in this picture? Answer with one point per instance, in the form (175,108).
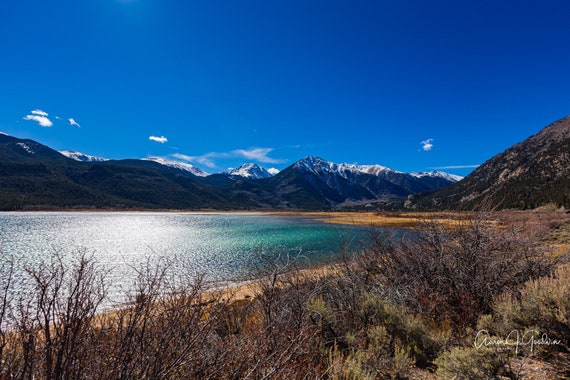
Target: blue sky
(412,85)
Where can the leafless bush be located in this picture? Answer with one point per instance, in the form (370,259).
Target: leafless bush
(453,271)
(51,322)
(6,273)
(164,329)
(283,293)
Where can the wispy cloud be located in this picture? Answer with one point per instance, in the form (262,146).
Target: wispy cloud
(73,122)
(39,116)
(205,159)
(257,154)
(427,145)
(253,154)
(454,167)
(158,139)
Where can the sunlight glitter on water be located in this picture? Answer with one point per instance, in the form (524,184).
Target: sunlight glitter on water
(221,245)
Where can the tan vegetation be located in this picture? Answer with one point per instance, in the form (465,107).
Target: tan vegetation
(410,220)
(407,308)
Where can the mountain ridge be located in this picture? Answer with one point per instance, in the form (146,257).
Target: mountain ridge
(529,174)
(36,176)
(255,171)
(78,156)
(179,165)
(315,183)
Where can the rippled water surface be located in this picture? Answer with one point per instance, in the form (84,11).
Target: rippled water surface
(221,245)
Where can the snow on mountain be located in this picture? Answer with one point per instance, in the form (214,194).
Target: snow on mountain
(317,165)
(26,147)
(273,171)
(251,171)
(179,165)
(5,134)
(438,174)
(373,169)
(78,156)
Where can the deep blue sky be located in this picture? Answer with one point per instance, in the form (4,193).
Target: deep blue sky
(227,82)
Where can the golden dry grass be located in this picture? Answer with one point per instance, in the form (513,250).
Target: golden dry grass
(409,220)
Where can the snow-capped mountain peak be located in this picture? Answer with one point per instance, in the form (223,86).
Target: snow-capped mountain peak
(315,165)
(438,174)
(78,156)
(318,165)
(357,184)
(251,171)
(179,165)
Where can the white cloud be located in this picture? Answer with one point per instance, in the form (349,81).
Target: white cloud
(160,139)
(73,122)
(427,145)
(40,117)
(39,113)
(257,154)
(209,159)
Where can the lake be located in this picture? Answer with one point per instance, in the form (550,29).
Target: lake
(224,246)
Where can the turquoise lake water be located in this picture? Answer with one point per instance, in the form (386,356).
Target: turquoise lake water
(223,246)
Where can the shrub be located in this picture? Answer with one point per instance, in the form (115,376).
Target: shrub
(453,271)
(385,340)
(469,363)
(351,367)
(543,304)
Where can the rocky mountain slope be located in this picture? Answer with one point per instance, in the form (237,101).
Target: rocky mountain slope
(530,174)
(314,183)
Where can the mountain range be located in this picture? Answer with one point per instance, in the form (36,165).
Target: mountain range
(530,174)
(33,175)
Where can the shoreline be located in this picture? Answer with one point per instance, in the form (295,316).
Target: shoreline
(398,219)
(247,289)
